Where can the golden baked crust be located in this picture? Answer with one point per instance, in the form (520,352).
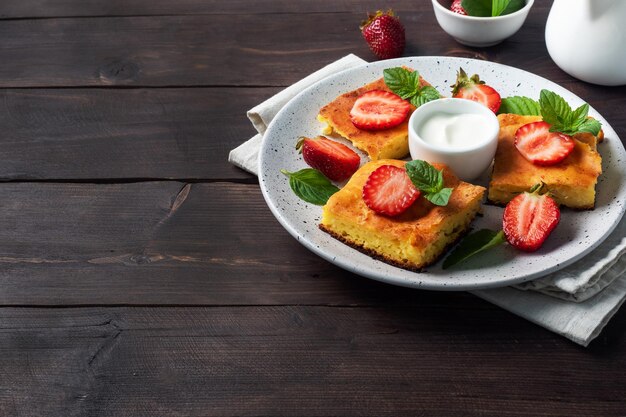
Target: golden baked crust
(382,144)
(412,240)
(571,182)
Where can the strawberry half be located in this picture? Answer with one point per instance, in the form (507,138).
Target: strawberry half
(379,110)
(384,33)
(528,220)
(456,7)
(333,159)
(389,190)
(540,146)
(472,88)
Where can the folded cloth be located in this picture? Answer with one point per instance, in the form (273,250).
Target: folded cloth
(246,155)
(575,302)
(601,267)
(579,322)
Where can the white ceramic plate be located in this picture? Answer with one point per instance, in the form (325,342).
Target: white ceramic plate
(576,235)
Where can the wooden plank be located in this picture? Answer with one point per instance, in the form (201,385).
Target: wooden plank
(176,133)
(160,243)
(221,50)
(285,361)
(157,51)
(163,243)
(121,133)
(77,8)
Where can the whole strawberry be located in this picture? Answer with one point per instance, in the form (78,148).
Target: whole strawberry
(384,33)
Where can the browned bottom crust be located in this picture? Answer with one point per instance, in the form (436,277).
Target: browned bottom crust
(387,260)
(582,208)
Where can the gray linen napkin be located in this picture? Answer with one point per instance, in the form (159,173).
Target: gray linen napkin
(575,302)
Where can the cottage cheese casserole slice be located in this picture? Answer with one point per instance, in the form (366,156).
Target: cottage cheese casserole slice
(411,240)
(389,143)
(571,182)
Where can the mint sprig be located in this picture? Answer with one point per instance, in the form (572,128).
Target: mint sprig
(492,8)
(406,84)
(554,110)
(498,6)
(523,106)
(504,7)
(561,117)
(472,244)
(311,185)
(429,181)
(477,8)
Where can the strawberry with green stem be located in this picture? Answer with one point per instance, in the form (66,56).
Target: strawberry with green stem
(473,88)
(333,159)
(527,221)
(384,33)
(529,218)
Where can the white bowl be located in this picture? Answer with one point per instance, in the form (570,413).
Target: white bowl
(467,162)
(480,31)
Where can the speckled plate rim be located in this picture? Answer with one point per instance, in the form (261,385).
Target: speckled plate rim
(504,266)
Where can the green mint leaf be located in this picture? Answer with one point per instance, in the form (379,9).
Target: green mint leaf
(490,8)
(561,117)
(475,243)
(514,6)
(424,176)
(311,185)
(429,181)
(478,8)
(523,106)
(406,84)
(440,198)
(498,6)
(554,110)
(563,129)
(590,126)
(401,81)
(580,115)
(424,95)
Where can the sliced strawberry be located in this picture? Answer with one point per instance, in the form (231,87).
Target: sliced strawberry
(472,88)
(379,110)
(528,220)
(456,7)
(333,159)
(540,146)
(389,190)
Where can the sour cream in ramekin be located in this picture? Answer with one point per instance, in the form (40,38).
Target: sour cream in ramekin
(460,133)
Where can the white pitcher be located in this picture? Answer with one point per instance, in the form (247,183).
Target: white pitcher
(587,39)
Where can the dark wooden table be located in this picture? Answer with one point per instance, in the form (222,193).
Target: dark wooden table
(143,275)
